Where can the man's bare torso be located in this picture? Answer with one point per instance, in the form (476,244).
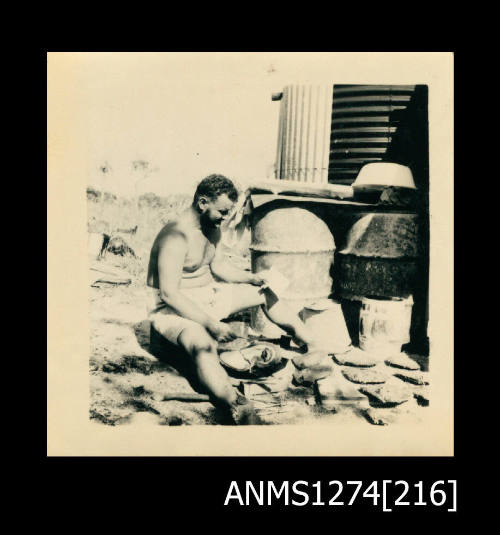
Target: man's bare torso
(201,246)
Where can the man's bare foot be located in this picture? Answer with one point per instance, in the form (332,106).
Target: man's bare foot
(312,358)
(308,376)
(243,412)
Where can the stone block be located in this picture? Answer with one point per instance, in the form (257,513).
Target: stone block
(415,378)
(402,360)
(376,375)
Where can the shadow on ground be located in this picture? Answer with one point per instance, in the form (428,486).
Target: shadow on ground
(170,356)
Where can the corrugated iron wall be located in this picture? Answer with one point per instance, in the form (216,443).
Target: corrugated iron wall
(365,119)
(304,133)
(327,133)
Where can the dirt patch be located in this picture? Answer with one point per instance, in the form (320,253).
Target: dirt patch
(129,385)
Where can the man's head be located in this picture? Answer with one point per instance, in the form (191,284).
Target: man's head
(214,198)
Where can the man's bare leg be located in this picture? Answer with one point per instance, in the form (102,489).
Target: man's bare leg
(247,295)
(282,315)
(202,348)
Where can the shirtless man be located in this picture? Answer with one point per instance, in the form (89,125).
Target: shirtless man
(189,304)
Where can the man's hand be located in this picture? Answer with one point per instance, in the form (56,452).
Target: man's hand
(222,332)
(258,280)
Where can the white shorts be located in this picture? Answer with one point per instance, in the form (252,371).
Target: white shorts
(215,299)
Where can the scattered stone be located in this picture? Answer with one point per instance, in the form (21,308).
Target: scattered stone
(390,394)
(415,378)
(118,246)
(125,363)
(174,420)
(406,414)
(139,390)
(422,396)
(374,417)
(369,376)
(402,360)
(356,357)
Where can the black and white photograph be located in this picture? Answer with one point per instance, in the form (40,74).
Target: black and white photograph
(258,247)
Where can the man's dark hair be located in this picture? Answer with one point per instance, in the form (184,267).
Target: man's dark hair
(214,185)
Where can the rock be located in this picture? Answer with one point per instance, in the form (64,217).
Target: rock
(117,245)
(415,378)
(365,376)
(422,396)
(139,391)
(356,357)
(311,401)
(174,420)
(402,360)
(390,394)
(405,414)
(126,363)
(109,414)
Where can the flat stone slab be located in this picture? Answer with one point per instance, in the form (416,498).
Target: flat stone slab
(421,394)
(390,394)
(402,360)
(369,376)
(356,357)
(415,378)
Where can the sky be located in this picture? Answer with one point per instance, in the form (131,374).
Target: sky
(182,116)
(179,118)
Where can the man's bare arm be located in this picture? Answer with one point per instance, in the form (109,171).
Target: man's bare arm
(170,263)
(230,273)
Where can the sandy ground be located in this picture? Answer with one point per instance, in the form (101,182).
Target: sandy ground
(129,383)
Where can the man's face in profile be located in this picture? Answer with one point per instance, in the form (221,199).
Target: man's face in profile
(215,212)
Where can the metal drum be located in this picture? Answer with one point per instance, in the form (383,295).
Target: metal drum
(384,325)
(380,257)
(298,243)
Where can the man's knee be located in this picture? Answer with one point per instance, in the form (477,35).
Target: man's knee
(196,340)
